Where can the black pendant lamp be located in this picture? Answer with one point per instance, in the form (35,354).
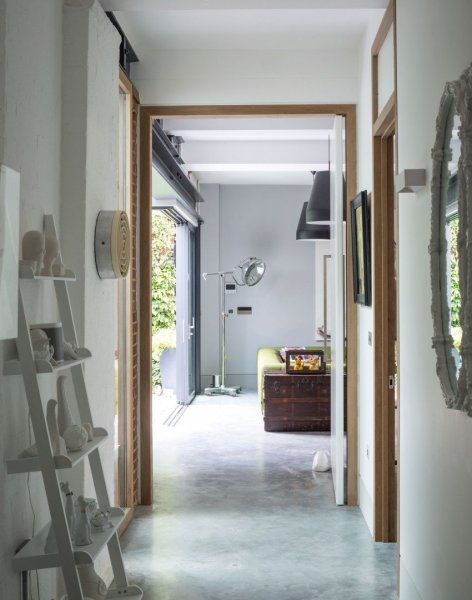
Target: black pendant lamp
(311,233)
(319,209)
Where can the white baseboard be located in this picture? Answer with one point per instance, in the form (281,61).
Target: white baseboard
(366,505)
(408,589)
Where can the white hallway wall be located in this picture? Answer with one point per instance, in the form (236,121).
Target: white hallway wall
(364,313)
(37,97)
(242,221)
(434,46)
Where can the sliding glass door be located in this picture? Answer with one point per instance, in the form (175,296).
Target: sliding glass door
(185,314)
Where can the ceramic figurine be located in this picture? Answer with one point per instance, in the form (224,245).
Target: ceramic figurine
(89,429)
(50,255)
(70,350)
(100,519)
(64,418)
(82,532)
(70,512)
(58,270)
(33,248)
(42,348)
(75,437)
(57,442)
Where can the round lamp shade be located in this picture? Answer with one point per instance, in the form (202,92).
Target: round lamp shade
(252,269)
(311,233)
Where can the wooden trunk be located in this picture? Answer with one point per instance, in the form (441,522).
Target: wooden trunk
(297,402)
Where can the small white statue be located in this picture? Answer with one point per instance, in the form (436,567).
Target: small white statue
(82,532)
(58,270)
(321,461)
(100,519)
(75,437)
(57,442)
(70,512)
(42,347)
(70,350)
(33,249)
(50,255)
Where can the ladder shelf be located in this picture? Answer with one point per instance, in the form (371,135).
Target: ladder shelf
(66,556)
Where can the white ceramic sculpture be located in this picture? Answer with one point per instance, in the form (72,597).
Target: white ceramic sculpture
(100,519)
(64,418)
(82,532)
(75,437)
(42,348)
(70,350)
(51,254)
(58,269)
(57,442)
(89,429)
(33,248)
(70,512)
(321,461)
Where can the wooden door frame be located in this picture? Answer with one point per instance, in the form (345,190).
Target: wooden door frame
(147,114)
(384,298)
(130,491)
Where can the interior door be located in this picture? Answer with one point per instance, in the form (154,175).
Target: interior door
(338,309)
(185,314)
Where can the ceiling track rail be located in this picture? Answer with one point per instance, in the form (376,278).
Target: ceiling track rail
(163,158)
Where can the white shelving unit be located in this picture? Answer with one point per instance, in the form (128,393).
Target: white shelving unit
(67,556)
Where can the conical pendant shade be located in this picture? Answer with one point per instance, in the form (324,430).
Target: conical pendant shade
(318,211)
(311,233)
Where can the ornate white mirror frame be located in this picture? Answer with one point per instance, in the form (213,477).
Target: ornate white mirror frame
(456,100)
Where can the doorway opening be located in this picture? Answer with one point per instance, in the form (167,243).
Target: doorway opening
(148,115)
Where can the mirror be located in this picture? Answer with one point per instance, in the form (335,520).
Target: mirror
(448,247)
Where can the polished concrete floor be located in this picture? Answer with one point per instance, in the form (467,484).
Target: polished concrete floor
(239,515)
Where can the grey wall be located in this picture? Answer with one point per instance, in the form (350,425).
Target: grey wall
(242,221)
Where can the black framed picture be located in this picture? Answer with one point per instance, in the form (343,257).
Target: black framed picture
(361,261)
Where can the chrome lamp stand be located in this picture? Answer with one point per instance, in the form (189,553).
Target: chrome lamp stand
(222,389)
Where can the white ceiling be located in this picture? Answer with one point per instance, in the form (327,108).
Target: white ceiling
(253,151)
(246,151)
(153,30)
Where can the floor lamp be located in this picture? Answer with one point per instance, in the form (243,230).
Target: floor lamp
(250,272)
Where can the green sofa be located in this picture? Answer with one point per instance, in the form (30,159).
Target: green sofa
(268,359)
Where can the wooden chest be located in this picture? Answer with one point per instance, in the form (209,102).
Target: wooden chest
(297,402)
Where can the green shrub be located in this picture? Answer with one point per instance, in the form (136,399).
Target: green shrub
(162,289)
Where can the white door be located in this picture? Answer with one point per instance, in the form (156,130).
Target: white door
(338,311)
